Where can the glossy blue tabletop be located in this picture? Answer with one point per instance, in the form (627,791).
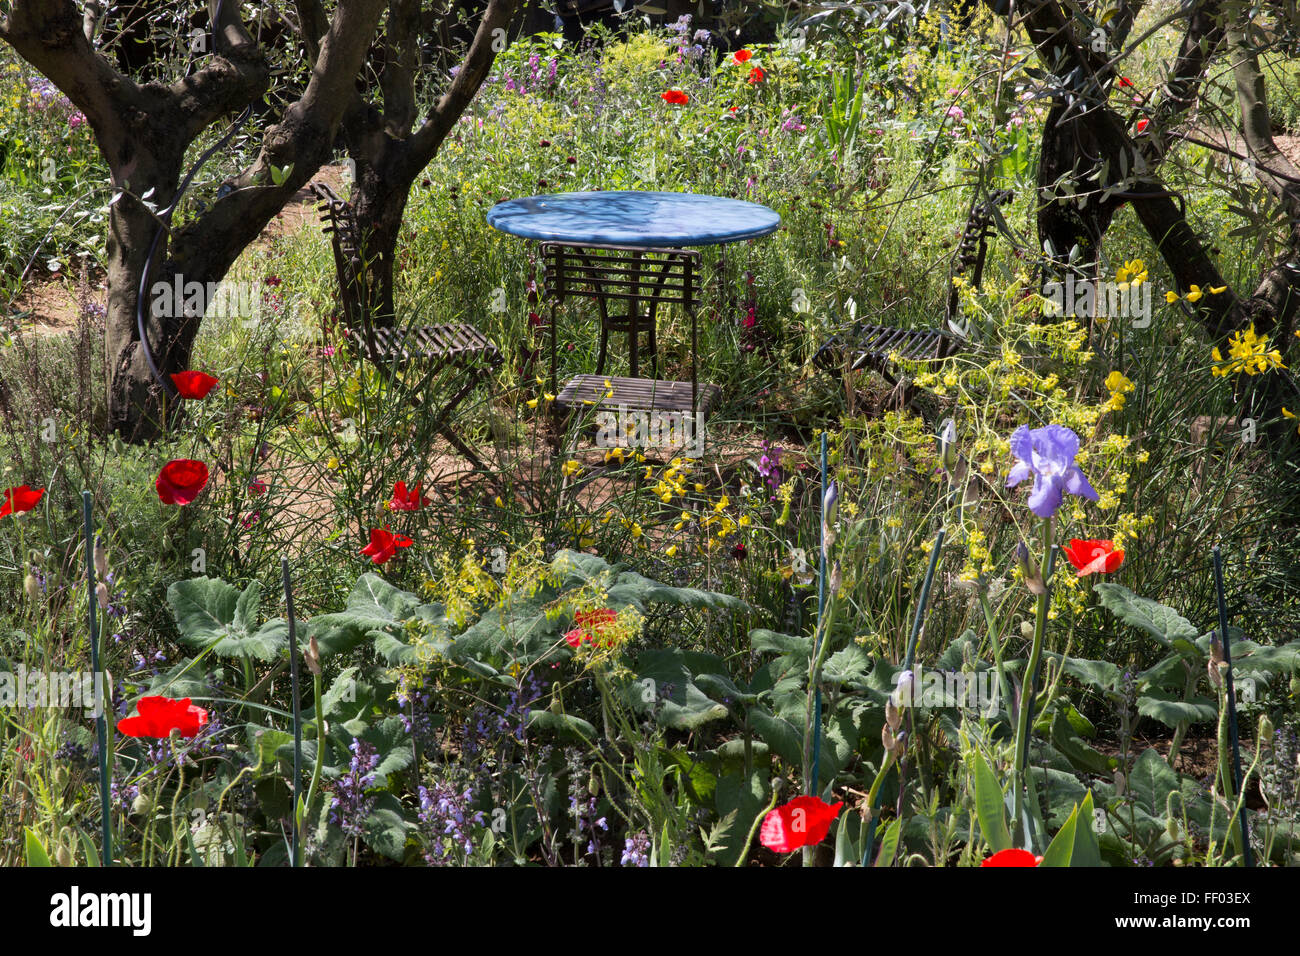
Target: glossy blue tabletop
(623,218)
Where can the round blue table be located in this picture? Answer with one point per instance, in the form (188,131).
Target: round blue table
(626,218)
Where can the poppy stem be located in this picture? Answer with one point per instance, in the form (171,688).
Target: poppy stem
(101,725)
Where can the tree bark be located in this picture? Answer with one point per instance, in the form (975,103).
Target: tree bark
(143,131)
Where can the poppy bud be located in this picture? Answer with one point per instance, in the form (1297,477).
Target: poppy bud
(101,559)
(142,804)
(1171,827)
(593,783)
(63,856)
(101,594)
(1120,783)
(32,587)
(1027,630)
(837,578)
(1265,733)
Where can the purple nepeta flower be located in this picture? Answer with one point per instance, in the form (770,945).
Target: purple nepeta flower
(636,850)
(351,804)
(1048,455)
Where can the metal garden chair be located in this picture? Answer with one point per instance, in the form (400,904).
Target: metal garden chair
(461,347)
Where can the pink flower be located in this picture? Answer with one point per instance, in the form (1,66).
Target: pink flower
(956,112)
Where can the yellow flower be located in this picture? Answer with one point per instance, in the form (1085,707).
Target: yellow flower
(614,454)
(1215,290)
(570,468)
(1172,297)
(636,530)
(332,464)
(1117,382)
(1195,294)
(531,403)
(1247,352)
(499,503)
(672,551)
(1134,271)
(699,488)
(1287,414)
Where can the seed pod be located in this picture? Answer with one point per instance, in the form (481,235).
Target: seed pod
(101,558)
(101,594)
(837,578)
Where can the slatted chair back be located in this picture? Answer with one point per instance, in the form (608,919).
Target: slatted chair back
(340,222)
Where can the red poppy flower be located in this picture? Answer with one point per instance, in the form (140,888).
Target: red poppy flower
(732,109)
(1125,81)
(384,544)
(675,96)
(1142,125)
(20,499)
(804,821)
(1012,857)
(159,716)
(194,384)
(257,487)
(756,75)
(402,501)
(742,56)
(595,620)
(1093,557)
(181,480)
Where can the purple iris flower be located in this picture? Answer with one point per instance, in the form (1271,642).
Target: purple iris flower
(1048,455)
